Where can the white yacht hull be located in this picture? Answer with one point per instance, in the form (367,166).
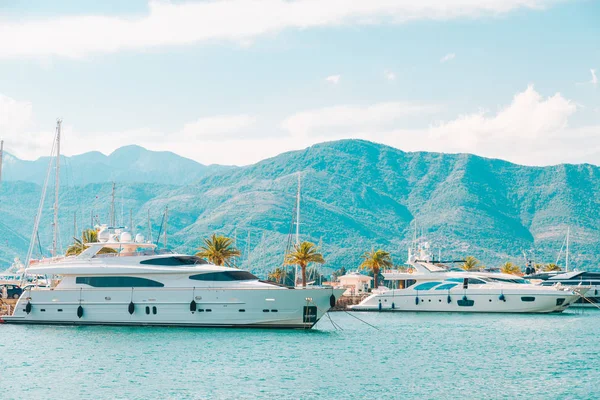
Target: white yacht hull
(469,300)
(265,308)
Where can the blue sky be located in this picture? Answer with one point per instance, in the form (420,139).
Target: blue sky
(235,81)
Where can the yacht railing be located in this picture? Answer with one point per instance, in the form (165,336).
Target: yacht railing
(53,260)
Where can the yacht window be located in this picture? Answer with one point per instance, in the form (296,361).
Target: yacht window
(175,261)
(475,281)
(509,280)
(403,284)
(446,286)
(527,298)
(426,285)
(224,276)
(117,281)
(472,281)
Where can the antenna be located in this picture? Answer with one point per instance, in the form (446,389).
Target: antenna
(131,221)
(56,190)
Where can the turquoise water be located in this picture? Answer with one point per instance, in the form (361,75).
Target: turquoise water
(412,355)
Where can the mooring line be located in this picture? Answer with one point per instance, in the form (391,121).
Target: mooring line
(336,326)
(588,300)
(364,322)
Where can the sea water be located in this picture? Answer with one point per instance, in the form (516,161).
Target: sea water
(402,355)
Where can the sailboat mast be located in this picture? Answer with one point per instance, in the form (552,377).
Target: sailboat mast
(297,223)
(567,251)
(235,259)
(298,210)
(248,250)
(149,228)
(112,207)
(56,191)
(166,222)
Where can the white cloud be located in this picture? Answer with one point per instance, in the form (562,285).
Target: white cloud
(593,81)
(217,126)
(528,121)
(14,115)
(334,79)
(447,57)
(530,129)
(168,24)
(332,121)
(389,75)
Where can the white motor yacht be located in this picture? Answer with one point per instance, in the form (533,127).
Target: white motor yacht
(138,286)
(428,287)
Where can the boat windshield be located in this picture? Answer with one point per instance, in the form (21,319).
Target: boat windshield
(472,281)
(175,261)
(511,280)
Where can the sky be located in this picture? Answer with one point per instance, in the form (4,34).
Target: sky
(237,81)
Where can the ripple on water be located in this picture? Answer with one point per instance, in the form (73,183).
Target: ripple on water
(412,355)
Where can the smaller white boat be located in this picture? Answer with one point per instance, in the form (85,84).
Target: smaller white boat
(428,287)
(573,279)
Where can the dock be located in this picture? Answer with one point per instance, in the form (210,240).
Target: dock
(7,306)
(344,302)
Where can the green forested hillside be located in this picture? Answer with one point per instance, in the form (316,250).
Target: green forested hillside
(356,195)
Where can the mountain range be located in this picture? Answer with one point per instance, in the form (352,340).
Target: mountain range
(126,164)
(356,195)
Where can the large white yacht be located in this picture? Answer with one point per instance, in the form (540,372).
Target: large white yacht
(428,287)
(137,286)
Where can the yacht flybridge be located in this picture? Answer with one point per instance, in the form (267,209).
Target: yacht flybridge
(138,286)
(428,287)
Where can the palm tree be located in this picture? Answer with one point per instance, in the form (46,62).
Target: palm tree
(375,260)
(551,267)
(277,275)
(470,264)
(304,254)
(218,250)
(87,236)
(510,268)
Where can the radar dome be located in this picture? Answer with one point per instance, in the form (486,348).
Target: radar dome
(125,237)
